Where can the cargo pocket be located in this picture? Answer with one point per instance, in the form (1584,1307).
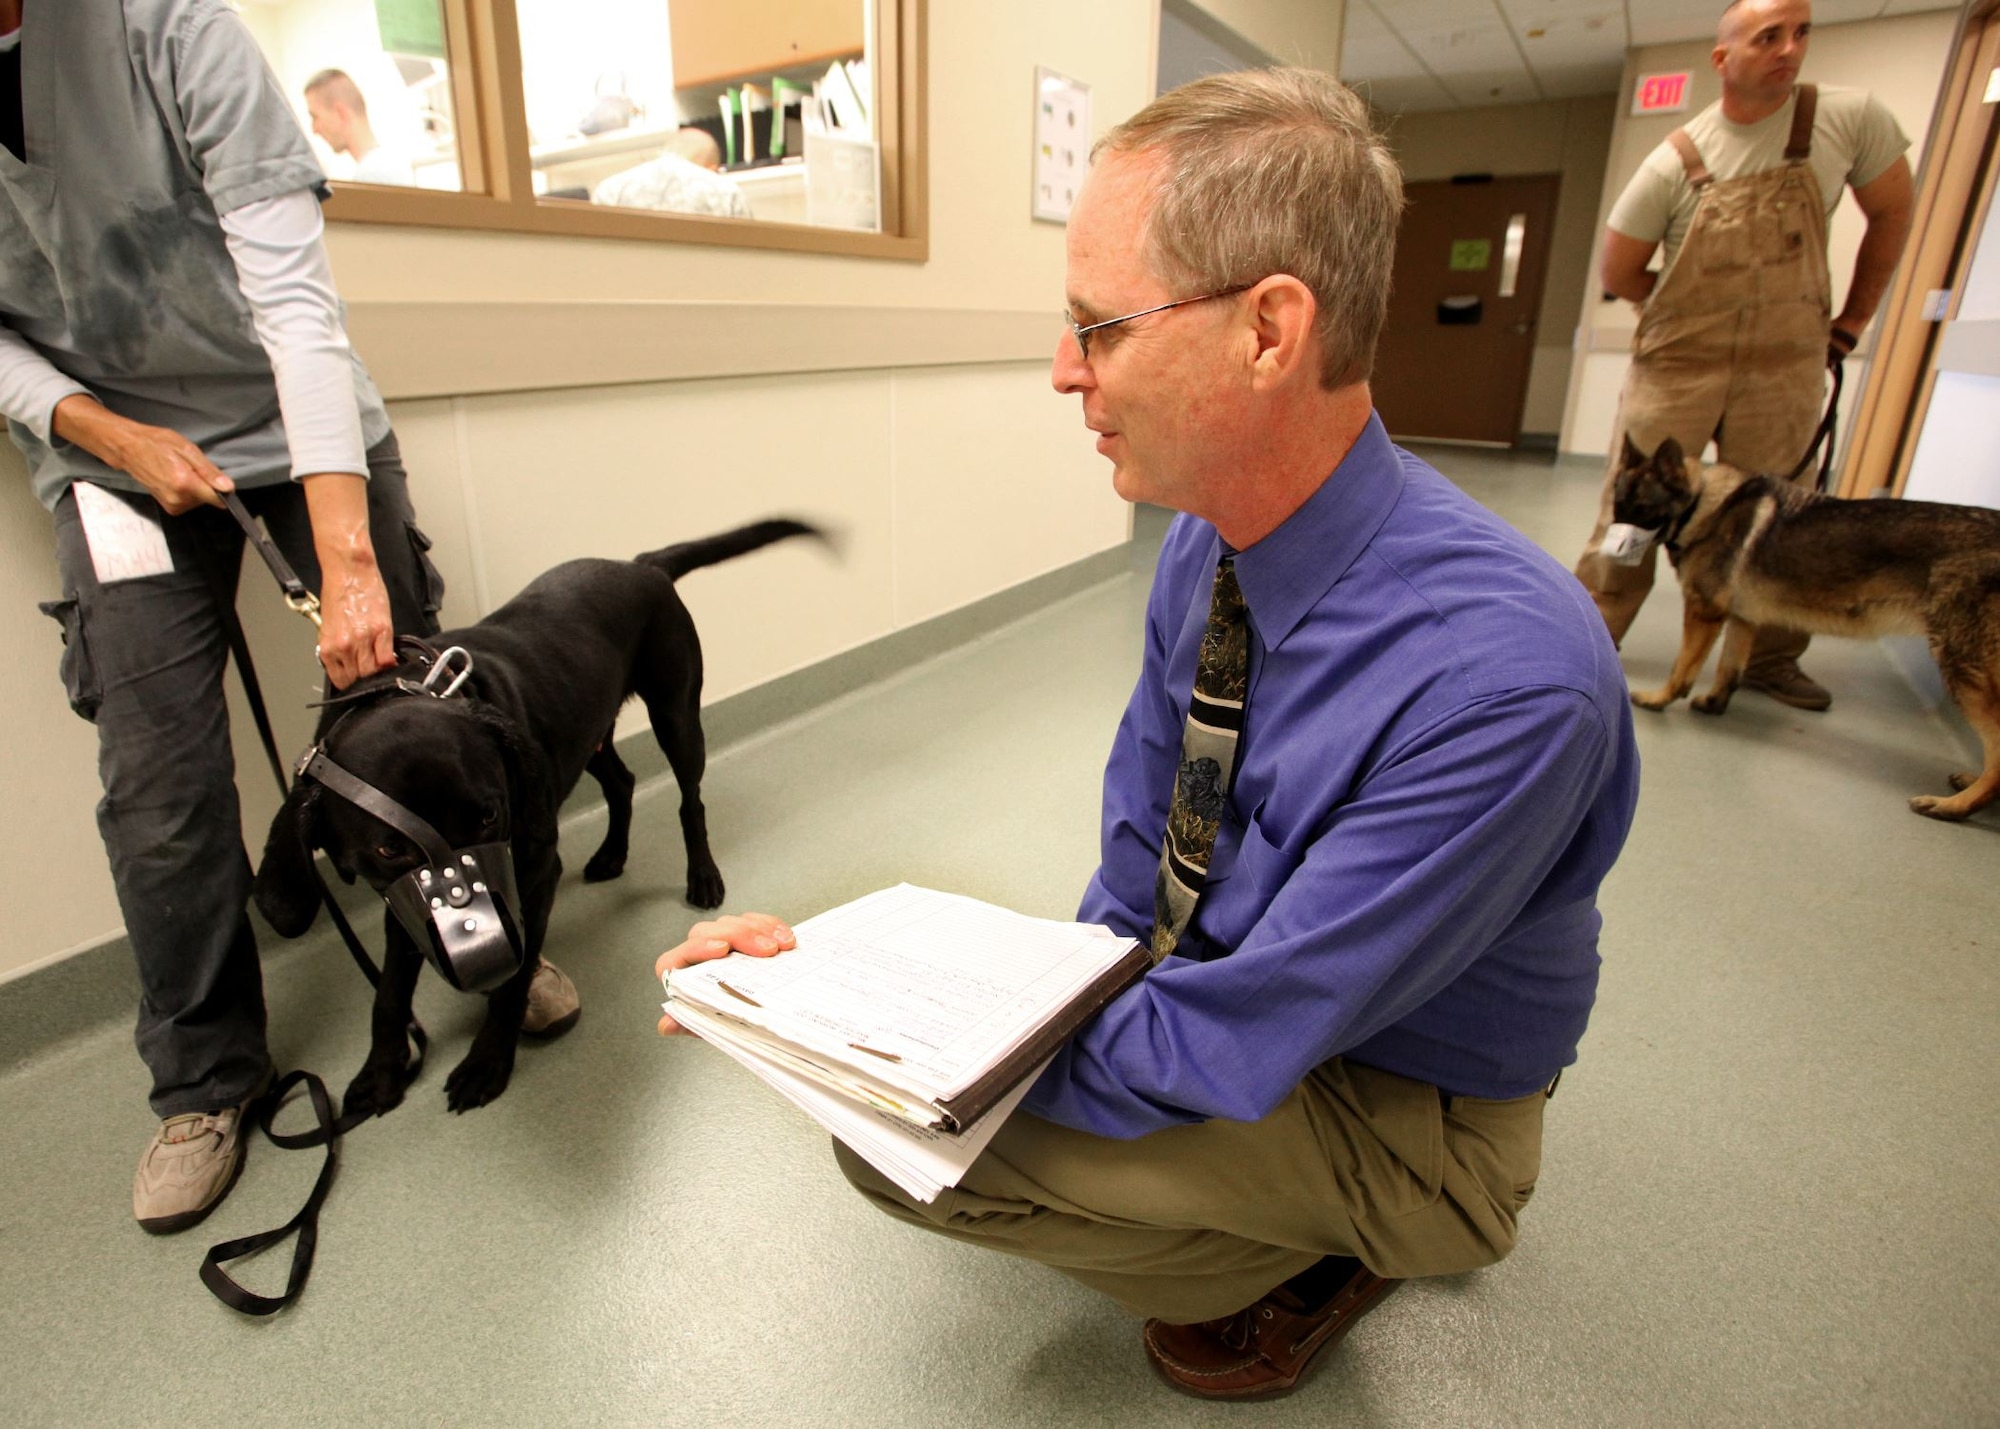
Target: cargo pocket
(430,585)
(79,671)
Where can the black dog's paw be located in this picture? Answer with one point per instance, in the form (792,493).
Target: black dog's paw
(376,1090)
(705,887)
(604,866)
(477,1080)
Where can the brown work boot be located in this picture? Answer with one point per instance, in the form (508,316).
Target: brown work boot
(553,1006)
(1786,683)
(188,1167)
(1261,1352)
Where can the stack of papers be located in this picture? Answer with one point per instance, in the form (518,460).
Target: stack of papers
(909,1022)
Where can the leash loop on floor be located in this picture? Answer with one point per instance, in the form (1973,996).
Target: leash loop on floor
(305,1224)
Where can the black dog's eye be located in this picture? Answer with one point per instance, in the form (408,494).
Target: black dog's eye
(386,850)
(489,816)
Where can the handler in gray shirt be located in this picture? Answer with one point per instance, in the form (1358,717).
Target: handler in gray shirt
(169,330)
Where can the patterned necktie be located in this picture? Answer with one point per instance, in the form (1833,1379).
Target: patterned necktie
(1208,760)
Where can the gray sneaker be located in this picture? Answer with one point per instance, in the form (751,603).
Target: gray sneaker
(553,1006)
(188,1168)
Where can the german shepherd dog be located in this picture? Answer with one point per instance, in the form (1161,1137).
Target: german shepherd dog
(1753,550)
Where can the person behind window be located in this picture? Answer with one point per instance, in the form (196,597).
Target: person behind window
(340,116)
(685,178)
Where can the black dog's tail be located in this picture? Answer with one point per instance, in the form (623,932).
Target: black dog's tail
(678,560)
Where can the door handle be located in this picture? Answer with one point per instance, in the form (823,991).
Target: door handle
(1524,326)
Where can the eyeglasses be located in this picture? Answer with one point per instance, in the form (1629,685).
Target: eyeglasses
(1082,334)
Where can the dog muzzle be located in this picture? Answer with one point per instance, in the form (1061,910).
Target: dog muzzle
(1625,544)
(461,906)
(464,915)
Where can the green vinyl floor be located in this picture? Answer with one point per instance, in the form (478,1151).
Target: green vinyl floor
(1768,1195)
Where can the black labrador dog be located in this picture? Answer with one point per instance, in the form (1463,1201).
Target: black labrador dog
(549,672)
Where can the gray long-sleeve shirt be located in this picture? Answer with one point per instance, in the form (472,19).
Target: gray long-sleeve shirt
(114,267)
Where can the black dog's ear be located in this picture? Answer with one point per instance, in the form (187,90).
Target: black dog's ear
(287,891)
(531,795)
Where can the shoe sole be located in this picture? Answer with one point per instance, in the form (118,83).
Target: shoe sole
(182,1220)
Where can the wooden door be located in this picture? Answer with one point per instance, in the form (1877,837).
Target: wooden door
(1934,367)
(1454,356)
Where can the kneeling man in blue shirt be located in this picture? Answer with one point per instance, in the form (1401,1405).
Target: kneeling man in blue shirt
(1378,761)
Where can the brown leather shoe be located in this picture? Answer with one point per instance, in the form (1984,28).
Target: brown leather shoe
(1786,683)
(1261,1352)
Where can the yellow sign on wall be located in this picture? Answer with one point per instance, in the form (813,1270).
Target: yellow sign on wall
(1471,255)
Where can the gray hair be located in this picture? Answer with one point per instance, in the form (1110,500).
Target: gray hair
(1274,171)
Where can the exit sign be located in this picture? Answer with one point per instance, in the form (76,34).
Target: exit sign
(1661,93)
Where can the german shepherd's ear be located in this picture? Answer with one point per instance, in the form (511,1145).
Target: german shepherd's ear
(1632,456)
(1670,457)
(286,890)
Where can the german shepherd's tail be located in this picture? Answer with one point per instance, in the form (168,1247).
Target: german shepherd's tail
(678,560)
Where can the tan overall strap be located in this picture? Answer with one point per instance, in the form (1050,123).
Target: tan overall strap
(1698,175)
(1799,146)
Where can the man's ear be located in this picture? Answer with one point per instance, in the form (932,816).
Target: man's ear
(1281,311)
(286,890)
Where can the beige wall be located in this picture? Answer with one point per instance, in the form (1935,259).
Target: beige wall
(1568,138)
(950,481)
(1901,60)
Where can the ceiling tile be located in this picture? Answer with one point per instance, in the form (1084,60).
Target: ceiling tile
(1394,96)
(1661,22)
(1362,23)
(1917,7)
(1377,59)
(1497,86)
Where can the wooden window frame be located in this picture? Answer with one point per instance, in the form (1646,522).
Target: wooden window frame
(483,43)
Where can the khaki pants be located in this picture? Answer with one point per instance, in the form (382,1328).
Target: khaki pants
(1196,1222)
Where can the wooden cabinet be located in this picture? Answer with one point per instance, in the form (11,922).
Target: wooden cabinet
(717,40)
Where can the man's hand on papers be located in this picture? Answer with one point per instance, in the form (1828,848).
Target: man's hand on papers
(758,934)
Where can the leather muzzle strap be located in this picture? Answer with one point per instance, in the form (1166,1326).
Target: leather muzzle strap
(371,800)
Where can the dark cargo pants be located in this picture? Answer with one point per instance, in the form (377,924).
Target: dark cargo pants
(143,660)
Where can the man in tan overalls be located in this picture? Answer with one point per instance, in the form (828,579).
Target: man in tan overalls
(1734,337)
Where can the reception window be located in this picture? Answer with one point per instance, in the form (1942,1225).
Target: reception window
(787,124)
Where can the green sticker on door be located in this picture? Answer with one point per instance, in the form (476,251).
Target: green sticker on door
(1471,255)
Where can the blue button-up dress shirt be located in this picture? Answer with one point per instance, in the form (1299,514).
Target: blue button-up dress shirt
(1436,771)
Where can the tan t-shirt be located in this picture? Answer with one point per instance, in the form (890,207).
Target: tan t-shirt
(1855,140)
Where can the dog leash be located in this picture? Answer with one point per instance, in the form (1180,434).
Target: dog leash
(1823,438)
(328,1127)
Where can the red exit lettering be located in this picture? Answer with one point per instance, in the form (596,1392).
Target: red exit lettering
(1661,94)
